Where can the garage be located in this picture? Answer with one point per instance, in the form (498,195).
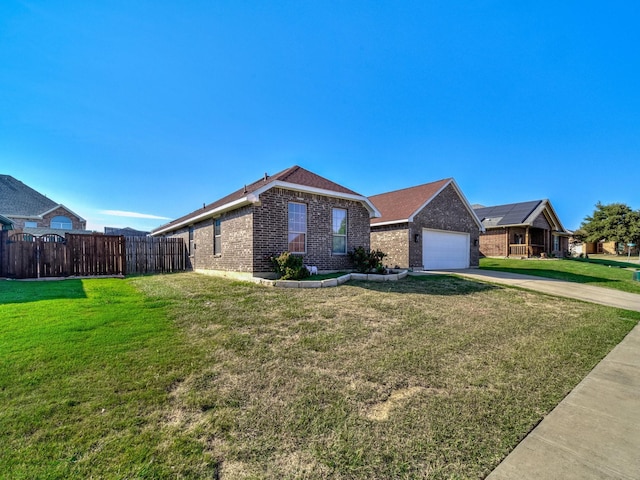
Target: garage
(444,250)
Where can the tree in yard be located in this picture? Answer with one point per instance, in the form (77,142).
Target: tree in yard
(615,222)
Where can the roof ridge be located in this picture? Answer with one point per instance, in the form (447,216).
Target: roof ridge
(444,180)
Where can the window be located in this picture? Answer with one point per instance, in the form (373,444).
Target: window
(297,239)
(30,224)
(339,231)
(217,237)
(62,223)
(556,243)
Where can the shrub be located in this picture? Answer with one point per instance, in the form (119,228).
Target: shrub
(289,267)
(365,261)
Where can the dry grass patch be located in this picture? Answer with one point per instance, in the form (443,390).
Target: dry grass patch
(433,377)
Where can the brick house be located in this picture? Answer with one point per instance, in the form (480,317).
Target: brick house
(294,210)
(525,229)
(31,212)
(430,226)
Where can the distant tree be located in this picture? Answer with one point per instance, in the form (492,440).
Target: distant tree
(615,222)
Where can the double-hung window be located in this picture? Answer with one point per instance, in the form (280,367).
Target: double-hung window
(297,234)
(339,230)
(217,237)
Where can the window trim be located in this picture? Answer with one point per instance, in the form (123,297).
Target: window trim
(217,236)
(296,232)
(62,226)
(340,235)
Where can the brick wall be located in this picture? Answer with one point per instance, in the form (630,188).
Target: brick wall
(250,235)
(45,221)
(394,241)
(493,243)
(270,228)
(445,212)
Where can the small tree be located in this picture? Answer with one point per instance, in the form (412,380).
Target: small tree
(615,222)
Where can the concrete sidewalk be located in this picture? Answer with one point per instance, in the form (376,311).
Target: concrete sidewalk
(594,433)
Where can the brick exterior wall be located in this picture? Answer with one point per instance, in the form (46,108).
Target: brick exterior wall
(493,243)
(446,211)
(270,228)
(251,234)
(394,241)
(45,222)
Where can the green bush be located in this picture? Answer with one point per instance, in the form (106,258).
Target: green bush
(289,267)
(365,260)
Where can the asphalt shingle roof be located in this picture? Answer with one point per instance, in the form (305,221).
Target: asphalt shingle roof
(18,199)
(399,205)
(295,175)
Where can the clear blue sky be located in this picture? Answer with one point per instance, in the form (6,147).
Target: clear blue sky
(155,107)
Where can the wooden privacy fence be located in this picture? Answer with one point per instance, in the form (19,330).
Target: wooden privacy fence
(155,255)
(26,256)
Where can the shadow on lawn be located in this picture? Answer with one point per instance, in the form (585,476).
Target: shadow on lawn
(553,274)
(14,291)
(428,285)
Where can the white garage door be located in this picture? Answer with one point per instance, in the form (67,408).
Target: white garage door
(444,250)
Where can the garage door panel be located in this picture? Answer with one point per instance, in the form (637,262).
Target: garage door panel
(445,250)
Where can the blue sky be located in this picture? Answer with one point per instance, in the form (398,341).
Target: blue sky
(156,107)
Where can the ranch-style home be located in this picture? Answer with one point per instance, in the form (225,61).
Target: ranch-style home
(294,210)
(430,227)
(525,229)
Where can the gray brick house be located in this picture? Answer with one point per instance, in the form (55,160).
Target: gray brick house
(430,226)
(31,212)
(294,210)
(524,229)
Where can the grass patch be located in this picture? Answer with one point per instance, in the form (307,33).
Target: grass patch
(600,273)
(188,376)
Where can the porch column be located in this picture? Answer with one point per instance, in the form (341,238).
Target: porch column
(508,240)
(527,241)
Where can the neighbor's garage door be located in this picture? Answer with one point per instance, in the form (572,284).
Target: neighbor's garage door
(443,250)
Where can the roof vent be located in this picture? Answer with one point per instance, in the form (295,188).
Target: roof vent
(245,188)
(265,176)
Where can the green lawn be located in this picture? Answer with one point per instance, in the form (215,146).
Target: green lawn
(189,376)
(601,273)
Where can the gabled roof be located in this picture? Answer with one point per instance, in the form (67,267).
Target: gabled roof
(21,201)
(518,214)
(401,206)
(293,178)
(18,199)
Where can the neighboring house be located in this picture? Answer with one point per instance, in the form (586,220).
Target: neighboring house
(31,212)
(526,229)
(127,232)
(294,210)
(430,226)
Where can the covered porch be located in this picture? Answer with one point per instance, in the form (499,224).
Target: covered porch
(535,242)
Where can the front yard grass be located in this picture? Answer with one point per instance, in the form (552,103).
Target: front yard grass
(601,273)
(189,376)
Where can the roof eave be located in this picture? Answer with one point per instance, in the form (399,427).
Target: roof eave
(241,202)
(373,211)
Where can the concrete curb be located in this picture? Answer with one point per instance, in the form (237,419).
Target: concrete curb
(332,282)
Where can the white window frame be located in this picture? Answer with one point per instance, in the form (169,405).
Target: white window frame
(294,232)
(58,225)
(339,235)
(217,236)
